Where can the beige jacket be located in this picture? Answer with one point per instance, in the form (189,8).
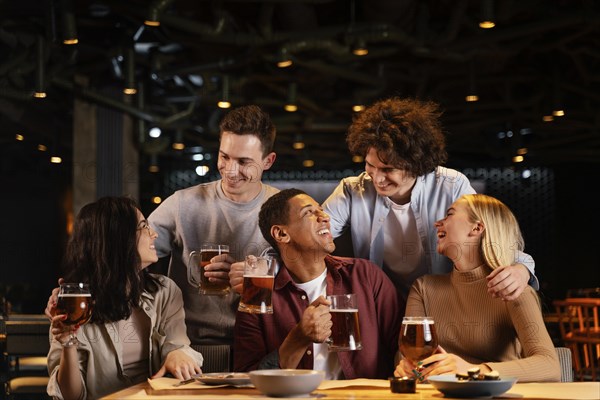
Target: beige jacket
(100,361)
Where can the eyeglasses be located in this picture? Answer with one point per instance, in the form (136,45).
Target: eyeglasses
(144,225)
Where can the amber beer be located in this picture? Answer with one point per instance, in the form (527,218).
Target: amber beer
(207,252)
(345,331)
(418,339)
(77,306)
(257,292)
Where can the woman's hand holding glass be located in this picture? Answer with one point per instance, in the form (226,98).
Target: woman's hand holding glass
(418,341)
(73,309)
(439,363)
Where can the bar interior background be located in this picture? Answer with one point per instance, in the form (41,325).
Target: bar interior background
(121,97)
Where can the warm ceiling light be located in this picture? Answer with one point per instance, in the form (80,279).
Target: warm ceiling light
(471,98)
(68,24)
(224,102)
(358,107)
(487,14)
(42,147)
(178,141)
(358,159)
(547,118)
(40,84)
(154,11)
(156,199)
(130,86)
(19,137)
(55,160)
(487,24)
(518,159)
(291,106)
(284,59)
(153,164)
(522,151)
(308,163)
(558,113)
(360,48)
(298,143)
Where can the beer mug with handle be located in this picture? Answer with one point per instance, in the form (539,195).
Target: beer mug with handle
(345,331)
(197,261)
(257,292)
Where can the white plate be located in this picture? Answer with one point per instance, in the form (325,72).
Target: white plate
(225,378)
(452,387)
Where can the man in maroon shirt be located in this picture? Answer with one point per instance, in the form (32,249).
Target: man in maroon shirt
(293,336)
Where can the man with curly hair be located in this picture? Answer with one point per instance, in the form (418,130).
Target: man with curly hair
(391,208)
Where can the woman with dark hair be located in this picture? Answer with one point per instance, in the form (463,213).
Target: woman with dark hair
(137,328)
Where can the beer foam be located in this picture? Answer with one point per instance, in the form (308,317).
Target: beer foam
(348,310)
(75,295)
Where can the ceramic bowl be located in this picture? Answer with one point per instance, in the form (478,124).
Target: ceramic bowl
(452,387)
(286,382)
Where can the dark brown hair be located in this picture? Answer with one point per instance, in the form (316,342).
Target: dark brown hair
(406,133)
(103,251)
(275,211)
(250,120)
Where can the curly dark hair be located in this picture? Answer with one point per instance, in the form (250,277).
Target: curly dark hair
(406,133)
(250,120)
(103,252)
(275,211)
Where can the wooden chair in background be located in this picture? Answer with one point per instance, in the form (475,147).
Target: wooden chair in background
(580,331)
(26,349)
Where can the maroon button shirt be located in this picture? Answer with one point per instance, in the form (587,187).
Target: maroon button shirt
(257,337)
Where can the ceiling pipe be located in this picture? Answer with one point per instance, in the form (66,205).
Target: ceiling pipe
(97,98)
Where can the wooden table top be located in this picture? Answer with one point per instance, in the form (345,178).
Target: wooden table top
(368,389)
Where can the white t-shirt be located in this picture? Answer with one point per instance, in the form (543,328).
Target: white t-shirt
(403,259)
(323,360)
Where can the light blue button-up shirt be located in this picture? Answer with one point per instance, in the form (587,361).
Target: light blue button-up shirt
(355,204)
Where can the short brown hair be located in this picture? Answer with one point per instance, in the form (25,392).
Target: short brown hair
(250,120)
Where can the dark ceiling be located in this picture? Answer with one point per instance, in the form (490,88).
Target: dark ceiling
(540,55)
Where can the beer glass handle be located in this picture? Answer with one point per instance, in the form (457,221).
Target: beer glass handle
(193,267)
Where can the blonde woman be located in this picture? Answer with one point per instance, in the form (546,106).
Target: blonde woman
(479,233)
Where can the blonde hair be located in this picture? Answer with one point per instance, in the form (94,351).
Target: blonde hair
(501,238)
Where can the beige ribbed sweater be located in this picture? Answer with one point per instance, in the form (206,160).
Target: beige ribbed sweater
(509,337)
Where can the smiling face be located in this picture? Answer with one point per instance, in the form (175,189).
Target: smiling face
(145,242)
(458,236)
(389,180)
(308,226)
(241,165)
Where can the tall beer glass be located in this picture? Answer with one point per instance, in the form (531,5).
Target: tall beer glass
(345,331)
(74,300)
(200,259)
(259,276)
(418,339)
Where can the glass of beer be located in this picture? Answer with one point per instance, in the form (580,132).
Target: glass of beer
(345,331)
(74,300)
(418,339)
(257,293)
(200,259)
